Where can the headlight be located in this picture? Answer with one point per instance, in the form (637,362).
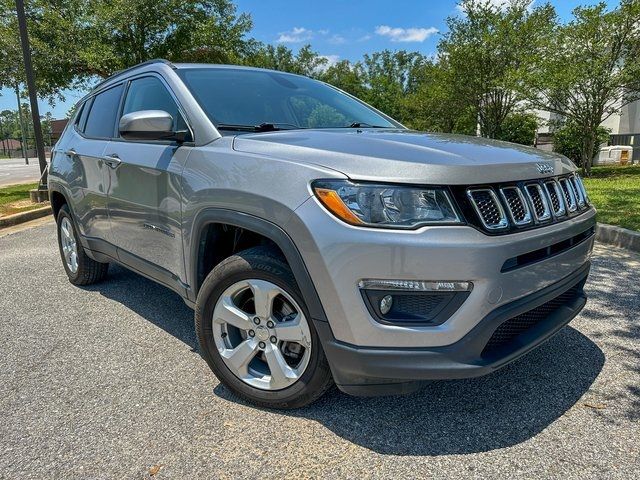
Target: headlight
(386,206)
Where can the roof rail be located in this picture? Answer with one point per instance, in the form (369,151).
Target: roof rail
(120,72)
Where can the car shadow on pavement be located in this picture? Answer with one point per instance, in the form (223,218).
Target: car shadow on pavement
(445,417)
(155,303)
(466,416)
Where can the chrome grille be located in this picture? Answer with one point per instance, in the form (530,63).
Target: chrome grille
(578,191)
(539,201)
(516,205)
(569,195)
(554,192)
(488,207)
(526,204)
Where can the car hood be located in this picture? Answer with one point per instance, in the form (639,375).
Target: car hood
(407,156)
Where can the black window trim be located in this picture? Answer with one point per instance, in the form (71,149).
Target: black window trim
(181,110)
(91,99)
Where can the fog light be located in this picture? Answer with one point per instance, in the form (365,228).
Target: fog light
(385,304)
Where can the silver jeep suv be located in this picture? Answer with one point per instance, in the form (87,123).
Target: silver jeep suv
(318,240)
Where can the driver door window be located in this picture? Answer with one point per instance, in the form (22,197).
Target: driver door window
(149,93)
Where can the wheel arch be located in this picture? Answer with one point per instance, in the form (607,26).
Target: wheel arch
(266,229)
(58,197)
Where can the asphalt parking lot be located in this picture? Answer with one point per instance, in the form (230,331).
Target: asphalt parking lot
(106,382)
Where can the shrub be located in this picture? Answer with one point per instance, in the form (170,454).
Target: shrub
(567,140)
(519,128)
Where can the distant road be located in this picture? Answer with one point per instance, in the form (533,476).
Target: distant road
(14,171)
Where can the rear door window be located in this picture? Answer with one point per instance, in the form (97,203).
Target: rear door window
(101,121)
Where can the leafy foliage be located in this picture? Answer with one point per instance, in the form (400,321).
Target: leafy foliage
(589,69)
(569,139)
(519,128)
(487,51)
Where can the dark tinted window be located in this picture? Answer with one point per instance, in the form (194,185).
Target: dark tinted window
(102,115)
(251,97)
(149,93)
(81,120)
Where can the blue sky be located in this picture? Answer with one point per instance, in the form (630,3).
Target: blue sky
(338,29)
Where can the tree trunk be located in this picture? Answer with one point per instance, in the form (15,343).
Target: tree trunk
(587,153)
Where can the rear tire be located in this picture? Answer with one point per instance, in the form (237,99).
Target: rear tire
(81,269)
(240,281)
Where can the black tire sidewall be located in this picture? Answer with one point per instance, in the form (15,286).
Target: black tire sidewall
(313,381)
(65,213)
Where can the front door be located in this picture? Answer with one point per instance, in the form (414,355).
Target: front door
(145,190)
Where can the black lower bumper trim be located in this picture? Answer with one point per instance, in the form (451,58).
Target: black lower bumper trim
(378,370)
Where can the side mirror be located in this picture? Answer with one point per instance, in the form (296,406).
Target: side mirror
(148,125)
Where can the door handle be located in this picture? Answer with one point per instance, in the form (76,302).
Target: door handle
(112,160)
(71,152)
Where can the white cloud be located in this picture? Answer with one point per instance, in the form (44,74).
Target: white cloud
(406,34)
(336,39)
(331,60)
(295,35)
(364,38)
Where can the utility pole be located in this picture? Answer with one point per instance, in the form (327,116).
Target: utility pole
(23,130)
(33,98)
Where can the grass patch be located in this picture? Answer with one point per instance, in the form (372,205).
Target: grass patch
(15,199)
(615,192)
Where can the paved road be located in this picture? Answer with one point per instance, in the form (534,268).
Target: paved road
(14,171)
(105,382)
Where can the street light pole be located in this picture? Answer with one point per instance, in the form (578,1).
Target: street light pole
(33,98)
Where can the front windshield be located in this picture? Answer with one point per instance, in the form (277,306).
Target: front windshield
(234,97)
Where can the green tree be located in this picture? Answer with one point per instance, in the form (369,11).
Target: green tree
(305,62)
(388,77)
(73,41)
(346,76)
(590,70)
(519,127)
(433,105)
(568,140)
(488,50)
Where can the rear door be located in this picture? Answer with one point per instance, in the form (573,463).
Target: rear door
(88,176)
(145,188)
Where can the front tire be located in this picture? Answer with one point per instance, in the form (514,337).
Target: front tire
(80,268)
(255,332)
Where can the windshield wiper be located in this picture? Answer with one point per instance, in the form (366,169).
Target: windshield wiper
(363,125)
(263,127)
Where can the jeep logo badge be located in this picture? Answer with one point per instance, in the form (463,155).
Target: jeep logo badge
(544,167)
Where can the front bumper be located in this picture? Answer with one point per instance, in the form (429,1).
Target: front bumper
(338,256)
(378,371)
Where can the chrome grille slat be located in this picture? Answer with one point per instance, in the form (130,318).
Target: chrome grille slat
(573,180)
(488,207)
(569,195)
(516,205)
(539,202)
(554,192)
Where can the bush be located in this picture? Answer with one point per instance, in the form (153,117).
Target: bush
(567,140)
(519,128)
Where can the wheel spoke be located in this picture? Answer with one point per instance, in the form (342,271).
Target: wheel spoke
(282,374)
(227,312)
(240,357)
(65,230)
(263,295)
(292,331)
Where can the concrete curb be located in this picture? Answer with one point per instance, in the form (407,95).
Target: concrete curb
(618,236)
(22,217)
